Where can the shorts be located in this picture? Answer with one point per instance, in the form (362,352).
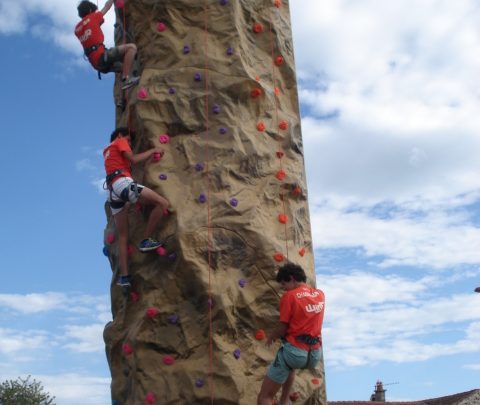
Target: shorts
(291,358)
(124,190)
(110,60)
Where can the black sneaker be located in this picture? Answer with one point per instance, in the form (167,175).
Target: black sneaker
(123,281)
(149,244)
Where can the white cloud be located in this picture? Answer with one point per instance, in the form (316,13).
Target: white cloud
(85,165)
(33,303)
(85,338)
(14,341)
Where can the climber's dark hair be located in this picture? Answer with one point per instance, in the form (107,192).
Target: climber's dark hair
(85,8)
(124,131)
(289,270)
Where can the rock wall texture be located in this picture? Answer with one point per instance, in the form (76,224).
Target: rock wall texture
(218,77)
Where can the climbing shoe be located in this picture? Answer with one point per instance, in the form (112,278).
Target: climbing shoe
(123,281)
(149,244)
(132,81)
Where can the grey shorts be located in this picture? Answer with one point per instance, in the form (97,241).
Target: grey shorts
(110,59)
(124,191)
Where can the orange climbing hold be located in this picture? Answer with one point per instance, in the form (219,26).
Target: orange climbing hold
(257,78)
(280,175)
(280,154)
(279,257)
(297,191)
(279,60)
(283,125)
(277,3)
(260,335)
(301,252)
(261,126)
(257,28)
(283,218)
(256,92)
(315,381)
(277,91)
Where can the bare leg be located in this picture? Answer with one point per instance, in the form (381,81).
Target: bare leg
(148,196)
(121,222)
(128,51)
(268,391)
(286,389)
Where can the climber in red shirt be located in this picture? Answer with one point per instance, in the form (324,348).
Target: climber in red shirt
(123,190)
(300,328)
(90,34)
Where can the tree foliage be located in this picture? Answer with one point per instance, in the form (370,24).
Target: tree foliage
(24,392)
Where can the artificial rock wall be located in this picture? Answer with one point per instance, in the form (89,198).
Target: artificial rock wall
(217,77)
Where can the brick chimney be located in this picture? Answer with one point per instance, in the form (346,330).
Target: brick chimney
(379,394)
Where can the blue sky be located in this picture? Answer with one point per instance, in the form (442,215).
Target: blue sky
(390,99)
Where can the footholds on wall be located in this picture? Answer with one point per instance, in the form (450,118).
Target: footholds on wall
(161,251)
(277,3)
(142,93)
(134,296)
(279,60)
(162,176)
(280,154)
(198,167)
(223,2)
(257,28)
(168,360)
(261,126)
(216,109)
(279,257)
(199,382)
(186,49)
(283,125)
(202,198)
(164,139)
(260,334)
(256,92)
(127,349)
(237,353)
(105,251)
(120,4)
(151,312)
(280,175)
(283,218)
(197,77)
(233,202)
(150,398)
(222,130)
(242,283)
(301,252)
(156,156)
(161,27)
(230,51)
(172,319)
(172,90)
(172,257)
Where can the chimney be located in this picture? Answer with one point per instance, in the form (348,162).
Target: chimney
(379,394)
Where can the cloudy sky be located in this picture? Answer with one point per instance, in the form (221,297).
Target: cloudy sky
(389,93)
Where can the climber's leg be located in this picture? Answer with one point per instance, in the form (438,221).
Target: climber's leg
(287,388)
(150,197)
(128,52)
(121,223)
(268,391)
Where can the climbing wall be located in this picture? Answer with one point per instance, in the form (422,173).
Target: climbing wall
(218,93)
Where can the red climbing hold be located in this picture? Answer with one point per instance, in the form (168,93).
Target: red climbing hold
(297,191)
(150,398)
(256,92)
(127,349)
(134,296)
(260,335)
(277,3)
(283,218)
(120,3)
(168,360)
(157,156)
(283,125)
(315,381)
(261,126)
(161,27)
(110,238)
(301,252)
(257,28)
(161,251)
(294,396)
(151,312)
(279,60)
(277,91)
(280,175)
(142,94)
(257,78)
(280,154)
(279,257)
(130,250)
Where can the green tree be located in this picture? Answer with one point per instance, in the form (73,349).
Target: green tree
(24,392)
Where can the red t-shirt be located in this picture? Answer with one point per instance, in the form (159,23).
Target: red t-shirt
(115,159)
(302,309)
(89,33)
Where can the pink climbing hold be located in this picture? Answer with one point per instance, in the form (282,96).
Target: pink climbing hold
(151,312)
(157,156)
(127,349)
(142,94)
(110,238)
(279,60)
(161,251)
(161,27)
(168,360)
(164,138)
(134,296)
(150,398)
(130,250)
(120,3)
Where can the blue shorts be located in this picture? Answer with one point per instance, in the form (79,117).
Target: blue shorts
(290,358)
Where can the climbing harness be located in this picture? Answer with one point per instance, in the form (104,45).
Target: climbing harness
(124,194)
(310,341)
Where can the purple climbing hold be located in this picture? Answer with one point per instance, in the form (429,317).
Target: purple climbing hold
(223,2)
(197,77)
(162,176)
(172,257)
(236,353)
(199,382)
(211,302)
(230,51)
(186,49)
(105,251)
(216,109)
(172,319)
(202,198)
(198,167)
(242,282)
(222,130)
(233,202)
(172,90)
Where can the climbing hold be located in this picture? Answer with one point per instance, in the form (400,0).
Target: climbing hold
(222,130)
(216,109)
(120,4)
(172,90)
(151,312)
(199,382)
(172,319)
(223,2)
(134,296)
(301,252)
(150,398)
(261,126)
(198,167)
(283,218)
(237,353)
(257,28)
(202,198)
(280,154)
(242,283)
(277,3)
(106,251)
(277,91)
(130,250)
(142,93)
(283,125)
(233,202)
(256,92)
(279,257)
(315,381)
(186,49)
(230,51)
(280,175)
(260,335)
(168,360)
(211,302)
(115,402)
(163,139)
(161,27)
(197,77)
(294,396)
(297,191)
(156,156)
(279,60)
(138,206)
(127,349)
(161,251)
(162,176)
(172,257)
(110,238)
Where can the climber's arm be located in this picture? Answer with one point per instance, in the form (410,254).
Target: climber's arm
(107,7)
(141,157)
(278,333)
